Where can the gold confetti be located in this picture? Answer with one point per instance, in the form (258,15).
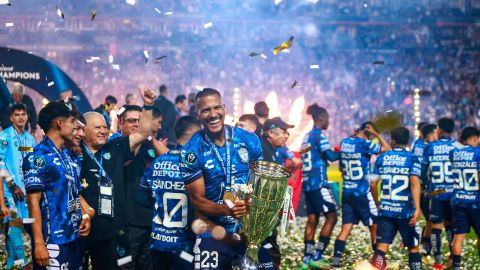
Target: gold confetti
(437,192)
(284,45)
(25,149)
(94,14)
(307,147)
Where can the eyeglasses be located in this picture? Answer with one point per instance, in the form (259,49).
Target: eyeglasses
(132,120)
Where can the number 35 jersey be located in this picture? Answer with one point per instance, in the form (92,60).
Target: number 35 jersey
(394,169)
(465,168)
(172,212)
(436,157)
(355,164)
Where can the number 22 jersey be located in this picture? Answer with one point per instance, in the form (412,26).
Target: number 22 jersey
(395,168)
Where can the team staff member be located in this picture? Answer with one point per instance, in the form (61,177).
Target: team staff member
(172,213)
(128,118)
(15,143)
(105,192)
(140,218)
(215,160)
(52,186)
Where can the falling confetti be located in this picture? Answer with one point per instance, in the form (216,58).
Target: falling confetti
(130,2)
(186,256)
(9,24)
(145,54)
(158,11)
(294,84)
(179,67)
(116,66)
(208,25)
(378,62)
(263,56)
(39,23)
(284,45)
(94,14)
(277,2)
(253,54)
(314,66)
(158,59)
(60,13)
(50,84)
(110,59)
(168,13)
(5,2)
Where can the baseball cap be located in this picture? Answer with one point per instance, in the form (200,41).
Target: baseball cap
(274,123)
(53,110)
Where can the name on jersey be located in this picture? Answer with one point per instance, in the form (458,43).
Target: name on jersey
(164,238)
(394,160)
(351,155)
(442,149)
(464,164)
(162,184)
(393,170)
(346,147)
(466,197)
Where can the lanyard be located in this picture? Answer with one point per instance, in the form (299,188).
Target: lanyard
(226,168)
(102,171)
(17,137)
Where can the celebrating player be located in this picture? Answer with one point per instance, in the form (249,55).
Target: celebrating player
(215,160)
(318,195)
(357,201)
(466,197)
(398,171)
(172,213)
(437,172)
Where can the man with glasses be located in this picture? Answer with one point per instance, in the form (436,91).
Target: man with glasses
(128,117)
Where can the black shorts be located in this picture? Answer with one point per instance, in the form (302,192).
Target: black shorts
(388,227)
(465,218)
(320,201)
(440,211)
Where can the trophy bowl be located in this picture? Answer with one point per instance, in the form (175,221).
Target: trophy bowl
(267,184)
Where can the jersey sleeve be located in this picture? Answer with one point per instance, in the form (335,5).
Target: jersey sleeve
(257,153)
(415,169)
(371,148)
(376,169)
(33,167)
(323,143)
(3,152)
(426,153)
(191,168)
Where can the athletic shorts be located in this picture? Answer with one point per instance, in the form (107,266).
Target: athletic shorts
(359,208)
(64,256)
(465,218)
(218,254)
(320,201)
(388,227)
(440,211)
(163,260)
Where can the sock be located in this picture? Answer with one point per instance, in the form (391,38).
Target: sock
(437,245)
(309,250)
(17,242)
(378,259)
(321,246)
(374,246)
(427,245)
(338,250)
(415,261)
(457,261)
(10,249)
(449,230)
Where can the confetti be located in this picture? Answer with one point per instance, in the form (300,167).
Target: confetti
(50,84)
(19,262)
(253,54)
(314,66)
(130,2)
(157,60)
(277,2)
(94,14)
(145,54)
(124,260)
(110,59)
(5,2)
(60,13)
(307,147)
(208,25)
(121,110)
(186,256)
(28,220)
(229,203)
(268,246)
(9,24)
(284,45)
(158,11)
(116,67)
(437,192)
(263,56)
(378,62)
(179,67)
(168,13)
(294,84)
(39,23)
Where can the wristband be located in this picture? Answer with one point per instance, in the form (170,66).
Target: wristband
(148,107)
(85,216)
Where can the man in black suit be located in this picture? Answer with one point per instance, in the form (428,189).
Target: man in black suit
(169,116)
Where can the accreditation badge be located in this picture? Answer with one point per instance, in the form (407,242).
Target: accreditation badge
(105,200)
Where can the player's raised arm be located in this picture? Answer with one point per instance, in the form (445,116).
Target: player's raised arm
(385,145)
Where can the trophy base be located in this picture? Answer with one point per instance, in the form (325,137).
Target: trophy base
(248,263)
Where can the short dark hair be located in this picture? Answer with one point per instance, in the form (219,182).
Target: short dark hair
(191,97)
(206,92)
(184,123)
(180,98)
(162,89)
(421,125)
(427,129)
(316,111)
(261,109)
(446,124)
(253,118)
(400,135)
(364,125)
(110,100)
(129,108)
(156,112)
(18,107)
(468,132)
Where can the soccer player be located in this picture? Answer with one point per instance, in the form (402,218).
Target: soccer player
(216,159)
(52,186)
(466,196)
(437,172)
(358,204)
(15,143)
(398,172)
(170,232)
(318,196)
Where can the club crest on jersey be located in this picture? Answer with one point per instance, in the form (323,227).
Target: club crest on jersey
(151,153)
(243,153)
(107,156)
(39,162)
(4,143)
(190,158)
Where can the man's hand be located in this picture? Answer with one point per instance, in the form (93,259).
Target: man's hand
(147,95)
(4,210)
(41,254)
(414,218)
(18,193)
(85,226)
(370,129)
(239,209)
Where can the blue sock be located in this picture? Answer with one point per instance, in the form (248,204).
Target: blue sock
(415,261)
(457,262)
(449,231)
(309,250)
(338,249)
(427,245)
(321,246)
(437,245)
(17,242)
